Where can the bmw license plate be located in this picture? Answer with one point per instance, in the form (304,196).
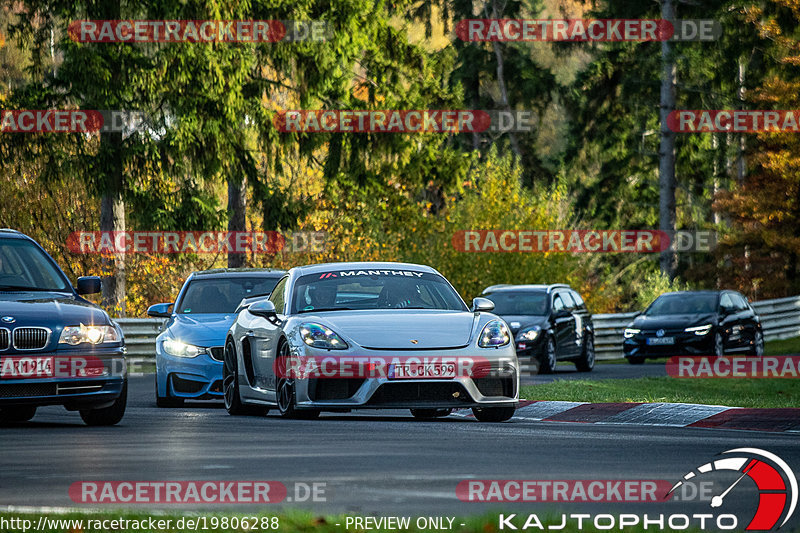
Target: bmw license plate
(26,367)
(422,371)
(660,341)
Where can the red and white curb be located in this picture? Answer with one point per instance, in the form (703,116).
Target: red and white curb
(659,414)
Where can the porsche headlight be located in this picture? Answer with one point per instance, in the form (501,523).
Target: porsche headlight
(495,334)
(530,334)
(74,335)
(699,330)
(181,349)
(630,332)
(318,336)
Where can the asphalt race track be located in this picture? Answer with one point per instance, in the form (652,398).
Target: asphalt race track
(373,462)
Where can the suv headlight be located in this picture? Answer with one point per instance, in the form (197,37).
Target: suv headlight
(318,336)
(74,335)
(630,332)
(699,330)
(530,334)
(181,349)
(495,334)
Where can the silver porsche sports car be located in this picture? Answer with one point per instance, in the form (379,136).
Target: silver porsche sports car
(342,336)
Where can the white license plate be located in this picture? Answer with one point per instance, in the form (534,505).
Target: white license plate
(660,341)
(423,371)
(26,367)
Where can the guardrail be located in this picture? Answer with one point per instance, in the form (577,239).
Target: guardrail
(780,319)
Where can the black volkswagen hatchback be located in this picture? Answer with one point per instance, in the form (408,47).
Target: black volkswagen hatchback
(550,323)
(694,323)
(56,348)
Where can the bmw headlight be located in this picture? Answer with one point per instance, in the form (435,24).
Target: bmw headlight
(318,336)
(630,332)
(495,334)
(530,334)
(699,330)
(74,335)
(181,349)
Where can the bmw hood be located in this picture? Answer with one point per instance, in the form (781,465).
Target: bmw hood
(673,321)
(387,329)
(202,330)
(53,310)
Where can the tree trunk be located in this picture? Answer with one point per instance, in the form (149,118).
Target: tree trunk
(666,153)
(112,219)
(237,221)
(501,83)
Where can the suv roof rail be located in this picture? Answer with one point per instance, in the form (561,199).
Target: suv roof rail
(493,287)
(9,230)
(560,286)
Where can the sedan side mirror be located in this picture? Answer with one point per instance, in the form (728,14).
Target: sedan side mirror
(160,310)
(482,304)
(89,285)
(263,308)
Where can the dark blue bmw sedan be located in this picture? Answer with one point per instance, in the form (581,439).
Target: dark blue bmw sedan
(56,348)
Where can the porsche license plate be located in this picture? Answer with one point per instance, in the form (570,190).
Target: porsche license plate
(422,371)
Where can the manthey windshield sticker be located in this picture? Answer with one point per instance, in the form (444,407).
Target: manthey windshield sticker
(348,273)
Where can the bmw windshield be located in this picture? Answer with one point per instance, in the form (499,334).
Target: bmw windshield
(24,267)
(374,289)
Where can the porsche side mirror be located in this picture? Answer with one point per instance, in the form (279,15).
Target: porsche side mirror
(482,304)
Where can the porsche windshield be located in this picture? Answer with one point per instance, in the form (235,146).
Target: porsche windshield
(374,289)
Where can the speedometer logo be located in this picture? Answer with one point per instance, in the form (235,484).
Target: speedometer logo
(776,483)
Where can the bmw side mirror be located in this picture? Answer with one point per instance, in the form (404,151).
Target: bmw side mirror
(89,285)
(159,310)
(263,308)
(482,304)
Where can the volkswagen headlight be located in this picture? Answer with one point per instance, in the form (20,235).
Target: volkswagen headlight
(630,332)
(181,349)
(530,334)
(318,336)
(699,330)
(495,334)
(74,335)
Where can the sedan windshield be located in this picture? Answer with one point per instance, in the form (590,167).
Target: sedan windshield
(683,304)
(222,295)
(520,303)
(23,266)
(374,289)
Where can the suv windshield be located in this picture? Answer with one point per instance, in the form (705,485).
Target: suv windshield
(683,304)
(374,289)
(222,295)
(519,303)
(23,266)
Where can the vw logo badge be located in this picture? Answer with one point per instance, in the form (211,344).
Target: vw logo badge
(8,319)
(660,333)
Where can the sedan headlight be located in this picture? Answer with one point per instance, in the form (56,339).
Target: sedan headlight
(181,349)
(74,335)
(495,334)
(630,332)
(318,336)
(699,330)
(530,334)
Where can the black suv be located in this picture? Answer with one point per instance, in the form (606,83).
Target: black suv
(56,348)
(549,323)
(694,323)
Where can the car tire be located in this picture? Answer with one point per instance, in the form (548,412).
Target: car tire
(230,386)
(719,348)
(107,416)
(493,414)
(17,414)
(586,361)
(636,360)
(548,360)
(286,402)
(758,344)
(167,401)
(430,414)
